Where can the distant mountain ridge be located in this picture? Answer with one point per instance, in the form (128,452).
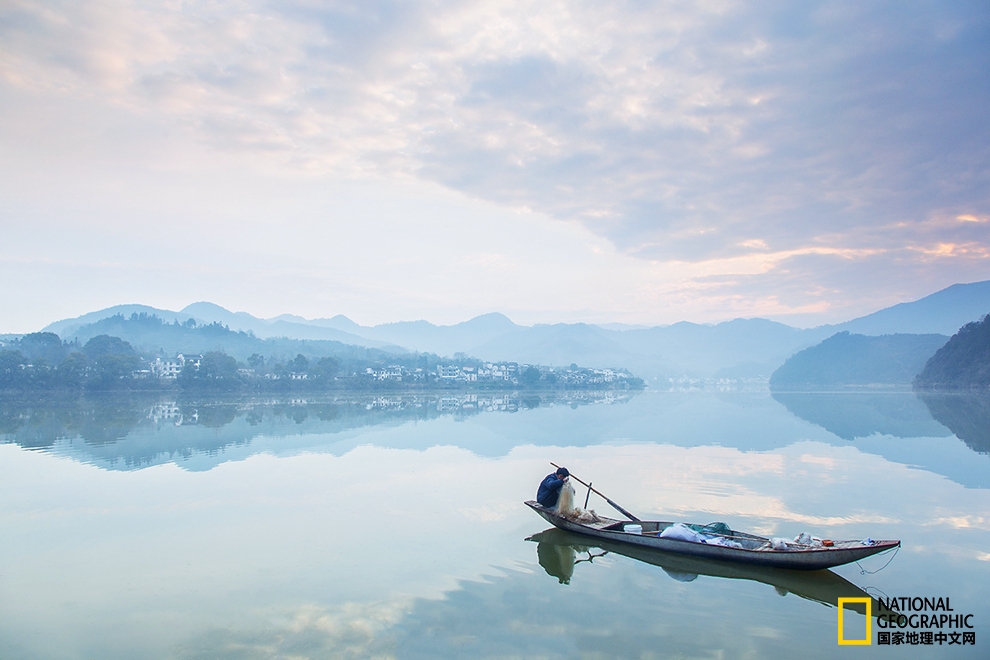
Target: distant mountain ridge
(846,360)
(942,313)
(205,313)
(732,349)
(150,335)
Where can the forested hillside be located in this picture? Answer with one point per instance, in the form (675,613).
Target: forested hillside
(963,363)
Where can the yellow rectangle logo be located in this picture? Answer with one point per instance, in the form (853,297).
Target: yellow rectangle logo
(869,621)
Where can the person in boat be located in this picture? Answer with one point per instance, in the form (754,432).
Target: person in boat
(549,490)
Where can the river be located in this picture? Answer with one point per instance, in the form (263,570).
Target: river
(394,527)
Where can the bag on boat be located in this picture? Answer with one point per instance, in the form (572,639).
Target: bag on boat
(681,532)
(778,543)
(690,533)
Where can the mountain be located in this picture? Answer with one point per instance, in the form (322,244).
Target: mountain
(446,339)
(845,360)
(559,344)
(738,348)
(963,363)
(66,328)
(734,349)
(943,312)
(741,347)
(339,322)
(420,335)
(207,312)
(149,334)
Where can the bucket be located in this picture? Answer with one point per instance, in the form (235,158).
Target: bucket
(633,529)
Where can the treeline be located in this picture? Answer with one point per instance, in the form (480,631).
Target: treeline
(963,363)
(159,336)
(43,361)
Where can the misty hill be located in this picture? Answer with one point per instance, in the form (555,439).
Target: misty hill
(743,347)
(420,336)
(562,343)
(339,322)
(737,348)
(446,339)
(733,349)
(149,334)
(962,363)
(846,360)
(67,328)
(942,313)
(206,313)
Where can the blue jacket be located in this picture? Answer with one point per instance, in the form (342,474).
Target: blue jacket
(549,490)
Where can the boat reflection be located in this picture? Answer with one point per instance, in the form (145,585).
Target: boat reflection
(559,552)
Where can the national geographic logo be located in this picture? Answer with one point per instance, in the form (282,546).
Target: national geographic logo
(866,639)
(910,621)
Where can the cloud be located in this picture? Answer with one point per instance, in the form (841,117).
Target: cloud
(712,134)
(649,124)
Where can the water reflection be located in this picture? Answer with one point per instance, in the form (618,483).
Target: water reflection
(403,538)
(852,415)
(559,552)
(966,415)
(134,431)
(922,431)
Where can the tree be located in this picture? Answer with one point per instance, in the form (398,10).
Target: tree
(45,345)
(962,363)
(12,369)
(217,371)
(300,364)
(325,369)
(256,361)
(531,376)
(72,370)
(106,345)
(111,372)
(279,370)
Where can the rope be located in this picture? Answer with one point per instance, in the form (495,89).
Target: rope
(863,571)
(877,589)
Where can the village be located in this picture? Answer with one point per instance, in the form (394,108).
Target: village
(494,373)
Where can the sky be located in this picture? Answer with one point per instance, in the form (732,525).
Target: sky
(632,162)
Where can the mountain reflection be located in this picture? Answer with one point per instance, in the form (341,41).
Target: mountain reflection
(966,415)
(860,414)
(559,552)
(129,432)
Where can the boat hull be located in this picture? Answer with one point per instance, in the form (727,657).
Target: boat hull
(811,559)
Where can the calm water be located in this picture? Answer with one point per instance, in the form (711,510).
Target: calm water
(395,527)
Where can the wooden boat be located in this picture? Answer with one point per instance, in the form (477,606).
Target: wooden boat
(559,552)
(730,546)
